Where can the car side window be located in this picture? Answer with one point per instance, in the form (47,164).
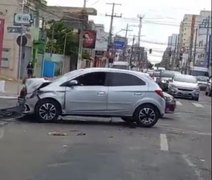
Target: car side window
(123,79)
(92,79)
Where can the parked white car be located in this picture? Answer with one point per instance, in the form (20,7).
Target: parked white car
(184,86)
(107,92)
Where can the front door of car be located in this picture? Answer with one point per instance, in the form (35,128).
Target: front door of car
(89,96)
(124,91)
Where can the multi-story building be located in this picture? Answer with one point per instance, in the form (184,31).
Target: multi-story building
(173,44)
(200,51)
(193,43)
(13,64)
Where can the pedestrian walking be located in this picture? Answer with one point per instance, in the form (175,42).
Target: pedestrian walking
(30,69)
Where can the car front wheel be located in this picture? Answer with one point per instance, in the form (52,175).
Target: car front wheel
(47,110)
(196,98)
(146,115)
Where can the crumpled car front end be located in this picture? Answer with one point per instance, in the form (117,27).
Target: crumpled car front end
(29,94)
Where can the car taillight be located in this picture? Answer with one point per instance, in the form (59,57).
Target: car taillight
(160,93)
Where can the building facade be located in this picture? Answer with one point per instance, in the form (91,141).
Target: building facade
(13,64)
(193,43)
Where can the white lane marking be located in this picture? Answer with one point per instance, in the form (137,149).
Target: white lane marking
(1,133)
(164,143)
(198,105)
(179,103)
(193,166)
(185,131)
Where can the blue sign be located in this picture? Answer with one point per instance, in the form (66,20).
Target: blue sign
(119,44)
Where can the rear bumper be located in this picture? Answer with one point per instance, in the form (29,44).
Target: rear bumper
(170,107)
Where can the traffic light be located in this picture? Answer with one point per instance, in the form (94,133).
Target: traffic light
(150,51)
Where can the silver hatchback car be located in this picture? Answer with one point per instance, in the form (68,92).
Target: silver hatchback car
(106,92)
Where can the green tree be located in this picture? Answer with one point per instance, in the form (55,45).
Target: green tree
(57,34)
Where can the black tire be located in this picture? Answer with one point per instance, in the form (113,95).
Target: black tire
(206,93)
(196,98)
(47,110)
(128,119)
(148,111)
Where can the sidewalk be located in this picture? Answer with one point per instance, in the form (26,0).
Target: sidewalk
(11,89)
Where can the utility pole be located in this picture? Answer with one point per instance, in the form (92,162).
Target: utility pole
(139,30)
(132,49)
(195,47)
(113,15)
(139,39)
(126,31)
(79,60)
(188,68)
(207,38)
(126,34)
(84,4)
(20,48)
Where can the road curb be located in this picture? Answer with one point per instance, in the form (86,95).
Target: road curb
(8,97)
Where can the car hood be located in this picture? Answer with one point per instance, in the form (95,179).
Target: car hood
(185,85)
(167,95)
(35,83)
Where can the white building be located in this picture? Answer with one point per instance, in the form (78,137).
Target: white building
(200,64)
(192,43)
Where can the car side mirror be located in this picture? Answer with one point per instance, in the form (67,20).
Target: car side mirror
(71,83)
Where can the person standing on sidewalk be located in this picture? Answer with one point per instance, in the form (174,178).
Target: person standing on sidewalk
(30,69)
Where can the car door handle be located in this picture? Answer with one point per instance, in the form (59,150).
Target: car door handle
(101,93)
(137,93)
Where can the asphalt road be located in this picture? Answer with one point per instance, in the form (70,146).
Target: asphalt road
(177,148)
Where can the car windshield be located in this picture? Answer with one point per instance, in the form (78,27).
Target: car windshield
(185,78)
(202,78)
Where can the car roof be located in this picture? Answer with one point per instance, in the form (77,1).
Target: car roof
(136,73)
(184,75)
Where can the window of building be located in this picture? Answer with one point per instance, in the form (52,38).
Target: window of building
(5,58)
(122,79)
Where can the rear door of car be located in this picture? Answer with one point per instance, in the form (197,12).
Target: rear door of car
(124,90)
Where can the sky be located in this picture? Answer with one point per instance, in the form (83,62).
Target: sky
(161,18)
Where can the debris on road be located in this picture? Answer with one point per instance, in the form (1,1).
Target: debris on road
(81,134)
(57,133)
(65,146)
(74,130)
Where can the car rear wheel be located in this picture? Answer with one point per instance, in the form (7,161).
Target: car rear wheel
(146,115)
(47,110)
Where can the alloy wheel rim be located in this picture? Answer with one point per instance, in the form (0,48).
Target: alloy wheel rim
(147,116)
(47,111)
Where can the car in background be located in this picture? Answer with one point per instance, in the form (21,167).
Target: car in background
(165,77)
(121,65)
(106,92)
(202,82)
(184,86)
(208,90)
(170,103)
